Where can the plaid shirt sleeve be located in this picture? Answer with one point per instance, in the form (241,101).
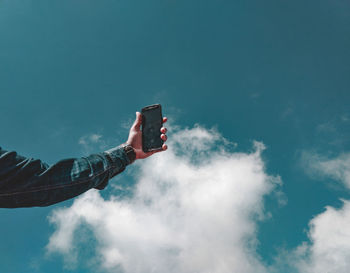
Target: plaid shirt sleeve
(27,182)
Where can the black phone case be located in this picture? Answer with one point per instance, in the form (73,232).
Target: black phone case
(151,140)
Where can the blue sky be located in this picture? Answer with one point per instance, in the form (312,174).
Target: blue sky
(271,71)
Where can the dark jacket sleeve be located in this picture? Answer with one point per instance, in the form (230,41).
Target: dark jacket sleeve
(27,182)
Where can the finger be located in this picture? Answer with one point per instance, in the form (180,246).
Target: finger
(163,137)
(163,130)
(165,119)
(137,122)
(164,147)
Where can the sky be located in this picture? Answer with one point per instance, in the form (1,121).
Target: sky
(257,175)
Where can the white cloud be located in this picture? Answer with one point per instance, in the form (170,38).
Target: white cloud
(328,249)
(329,246)
(91,138)
(195,208)
(337,168)
(91,142)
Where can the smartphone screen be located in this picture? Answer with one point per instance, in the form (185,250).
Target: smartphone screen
(152,121)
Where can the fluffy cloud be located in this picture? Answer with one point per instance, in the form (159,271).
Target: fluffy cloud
(329,246)
(329,232)
(194,208)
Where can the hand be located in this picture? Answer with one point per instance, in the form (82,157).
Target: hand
(135,138)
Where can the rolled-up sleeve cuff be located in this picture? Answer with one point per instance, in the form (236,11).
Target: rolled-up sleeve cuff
(117,159)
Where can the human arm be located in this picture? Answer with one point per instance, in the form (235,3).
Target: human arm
(27,182)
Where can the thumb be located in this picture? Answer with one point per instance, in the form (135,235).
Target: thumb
(138,121)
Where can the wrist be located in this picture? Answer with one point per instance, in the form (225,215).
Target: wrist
(130,152)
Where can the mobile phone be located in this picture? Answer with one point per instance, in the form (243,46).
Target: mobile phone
(152,122)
